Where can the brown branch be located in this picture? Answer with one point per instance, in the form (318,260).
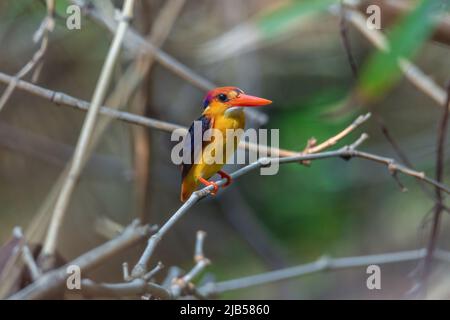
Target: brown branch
(160,30)
(378,118)
(439,206)
(336,138)
(346,152)
(165,126)
(138,44)
(52,282)
(42,34)
(80,154)
(343,28)
(64,99)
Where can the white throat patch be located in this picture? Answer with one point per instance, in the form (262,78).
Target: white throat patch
(233,111)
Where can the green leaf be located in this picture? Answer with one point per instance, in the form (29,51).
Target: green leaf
(382,71)
(61,7)
(279,20)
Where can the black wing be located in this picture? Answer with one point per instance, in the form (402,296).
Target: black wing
(189,144)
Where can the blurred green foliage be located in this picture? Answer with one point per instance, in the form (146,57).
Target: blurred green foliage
(382,70)
(278,21)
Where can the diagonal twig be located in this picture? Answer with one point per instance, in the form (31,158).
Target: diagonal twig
(42,35)
(76,167)
(411,72)
(439,206)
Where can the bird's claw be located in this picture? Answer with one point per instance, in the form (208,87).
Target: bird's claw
(224,175)
(207,183)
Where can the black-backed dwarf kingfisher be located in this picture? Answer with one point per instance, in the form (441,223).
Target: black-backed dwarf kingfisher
(222,111)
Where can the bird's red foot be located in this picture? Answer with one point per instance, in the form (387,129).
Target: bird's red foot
(225,175)
(210,183)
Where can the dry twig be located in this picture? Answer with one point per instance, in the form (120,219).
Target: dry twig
(412,73)
(64,99)
(346,152)
(42,35)
(322,264)
(76,167)
(439,205)
(52,282)
(137,44)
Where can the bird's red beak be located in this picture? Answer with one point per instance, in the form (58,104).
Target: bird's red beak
(245,100)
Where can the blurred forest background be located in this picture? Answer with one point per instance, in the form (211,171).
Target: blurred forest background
(295,58)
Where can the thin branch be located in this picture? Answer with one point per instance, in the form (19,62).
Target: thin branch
(378,118)
(346,152)
(27,255)
(136,43)
(136,287)
(311,148)
(363,137)
(64,99)
(42,35)
(343,27)
(141,267)
(142,286)
(322,264)
(401,155)
(160,30)
(335,139)
(412,73)
(199,254)
(154,271)
(123,89)
(439,206)
(173,273)
(76,167)
(43,32)
(125,272)
(12,263)
(53,281)
(182,284)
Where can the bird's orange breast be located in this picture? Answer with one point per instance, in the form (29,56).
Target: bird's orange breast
(230,129)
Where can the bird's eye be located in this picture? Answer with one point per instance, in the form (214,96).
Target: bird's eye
(222,97)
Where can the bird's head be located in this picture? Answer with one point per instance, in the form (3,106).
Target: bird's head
(230,99)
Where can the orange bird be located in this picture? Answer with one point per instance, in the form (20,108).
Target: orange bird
(222,110)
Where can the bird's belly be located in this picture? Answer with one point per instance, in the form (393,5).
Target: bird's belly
(216,153)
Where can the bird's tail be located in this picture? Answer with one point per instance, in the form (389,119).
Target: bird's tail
(188,186)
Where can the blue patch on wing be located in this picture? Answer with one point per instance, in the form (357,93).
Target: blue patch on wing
(207,101)
(206,123)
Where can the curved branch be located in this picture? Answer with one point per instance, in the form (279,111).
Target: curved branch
(346,152)
(322,264)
